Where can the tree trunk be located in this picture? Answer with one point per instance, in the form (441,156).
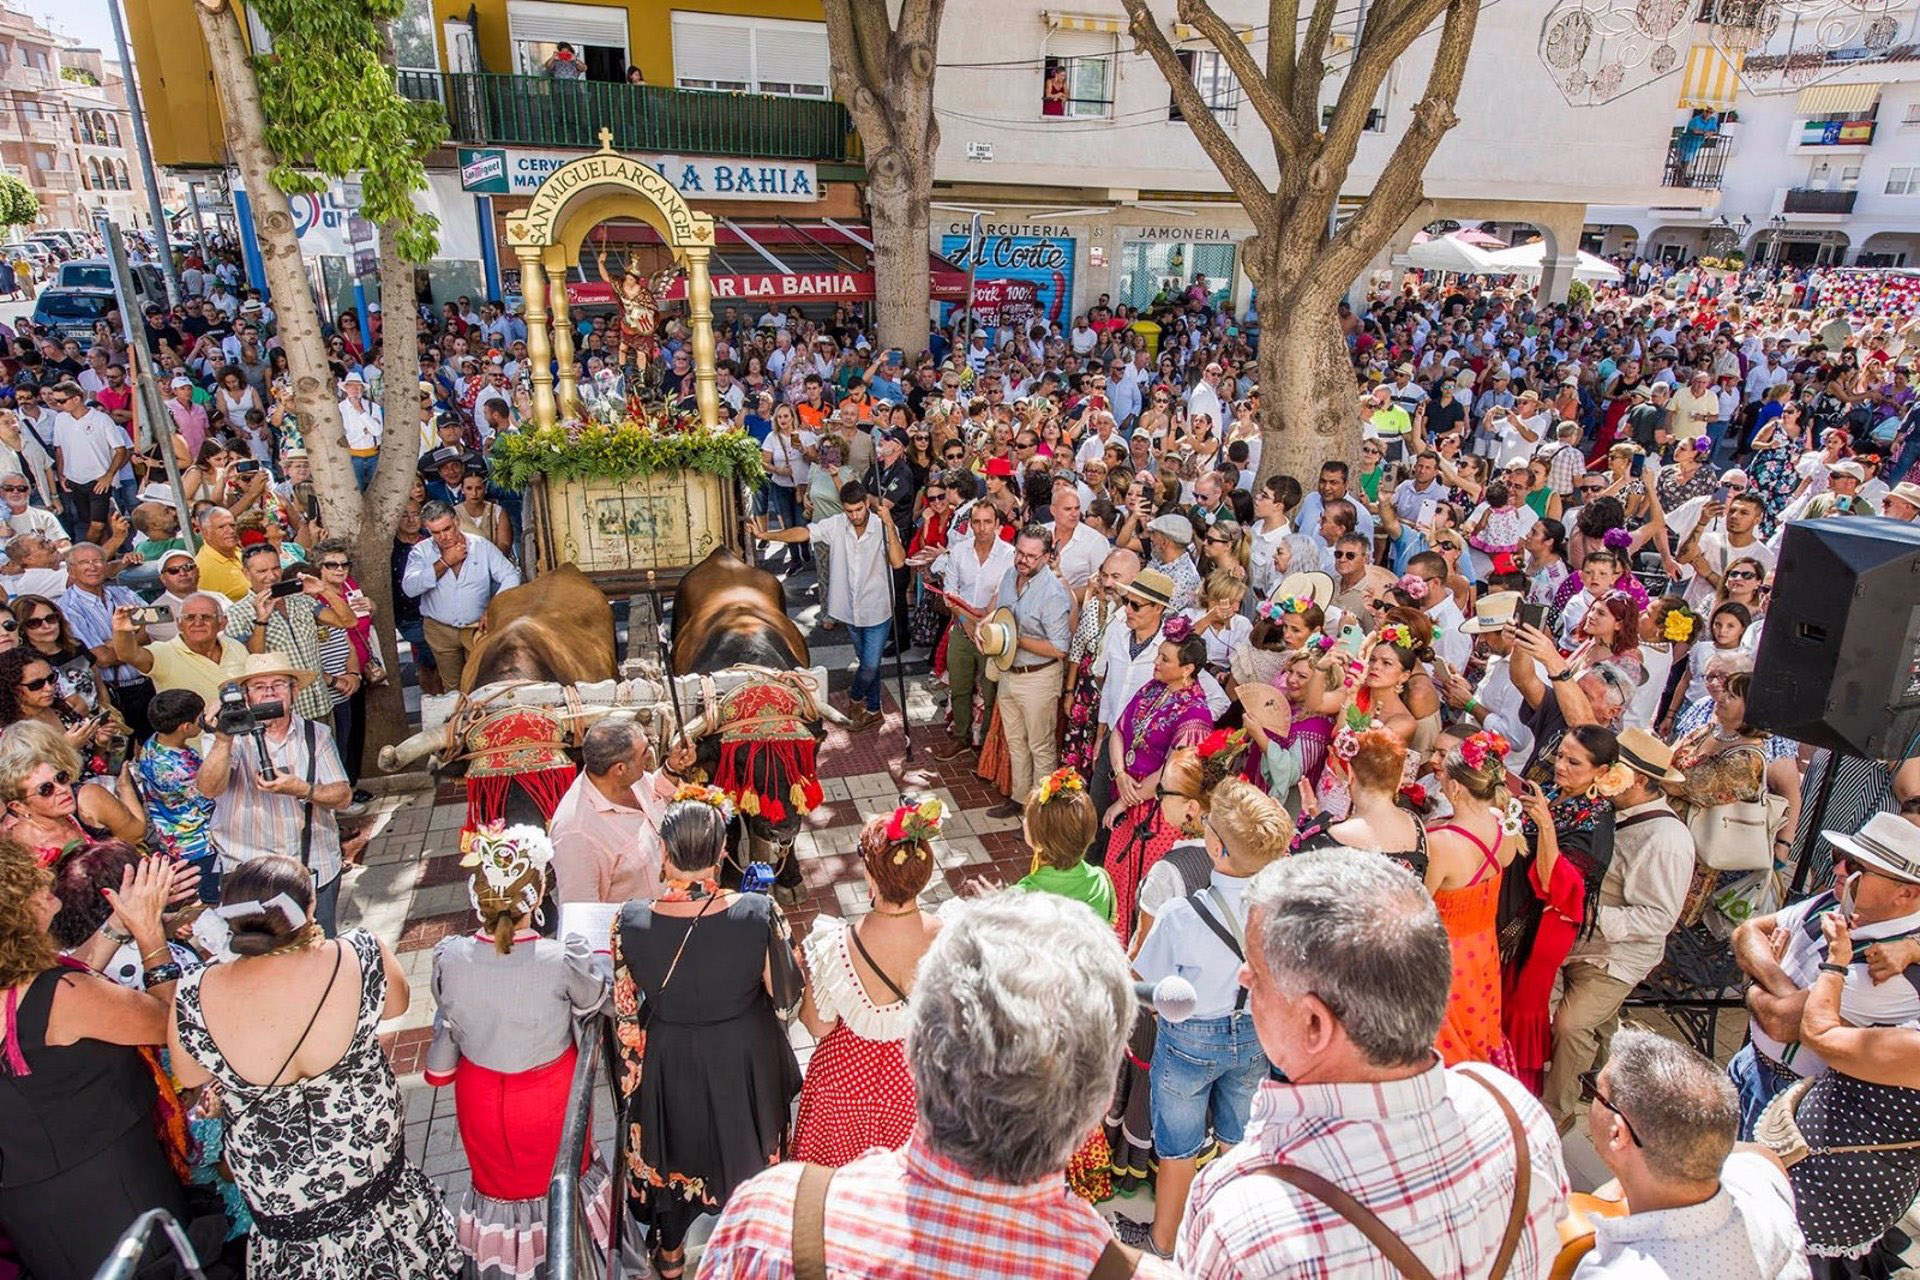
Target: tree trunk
(372,535)
(1307,392)
(297,322)
(899,220)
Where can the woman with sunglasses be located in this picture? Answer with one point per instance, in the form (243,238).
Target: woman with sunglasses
(30,690)
(1227,548)
(47,808)
(46,634)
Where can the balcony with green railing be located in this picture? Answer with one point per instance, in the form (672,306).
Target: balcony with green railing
(535,111)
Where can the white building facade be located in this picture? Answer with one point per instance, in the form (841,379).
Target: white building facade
(1824,173)
(1065,142)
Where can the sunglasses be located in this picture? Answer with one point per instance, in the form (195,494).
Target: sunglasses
(1590,1092)
(44,620)
(34,686)
(60,779)
(1346,555)
(14,488)
(180,568)
(1741,573)
(336,564)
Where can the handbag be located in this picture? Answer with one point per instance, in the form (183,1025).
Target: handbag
(1738,835)
(1779,1131)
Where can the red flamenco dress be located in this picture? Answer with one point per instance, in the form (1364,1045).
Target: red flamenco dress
(858,1094)
(1539,923)
(1158,721)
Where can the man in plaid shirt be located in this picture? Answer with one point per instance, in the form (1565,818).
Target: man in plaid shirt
(1349,967)
(1021,1010)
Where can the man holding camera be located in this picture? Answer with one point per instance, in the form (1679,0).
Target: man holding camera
(277,792)
(200,656)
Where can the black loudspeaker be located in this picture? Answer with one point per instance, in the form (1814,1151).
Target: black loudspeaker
(1839,659)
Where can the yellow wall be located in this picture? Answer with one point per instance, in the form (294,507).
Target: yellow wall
(176,83)
(649,28)
(183,111)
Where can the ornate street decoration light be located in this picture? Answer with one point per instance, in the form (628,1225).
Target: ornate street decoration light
(1597,50)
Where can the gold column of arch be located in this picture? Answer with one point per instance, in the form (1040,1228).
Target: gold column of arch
(567,389)
(568,204)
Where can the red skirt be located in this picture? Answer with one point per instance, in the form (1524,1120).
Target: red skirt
(510,1125)
(858,1095)
(1140,839)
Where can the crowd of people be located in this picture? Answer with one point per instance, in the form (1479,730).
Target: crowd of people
(1411,769)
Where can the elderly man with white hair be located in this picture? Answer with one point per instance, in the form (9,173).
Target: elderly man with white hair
(23,517)
(1459,1168)
(1020,1014)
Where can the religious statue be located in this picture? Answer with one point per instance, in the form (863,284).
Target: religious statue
(636,326)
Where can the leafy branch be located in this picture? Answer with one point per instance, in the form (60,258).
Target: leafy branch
(625,451)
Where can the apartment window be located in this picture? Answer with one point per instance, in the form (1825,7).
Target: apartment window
(750,55)
(1376,118)
(1077,74)
(1903,180)
(1850,178)
(1207,68)
(6,54)
(1912,116)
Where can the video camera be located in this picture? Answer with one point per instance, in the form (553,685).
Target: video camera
(236,716)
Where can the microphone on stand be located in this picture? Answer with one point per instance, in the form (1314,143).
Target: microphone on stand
(1173,997)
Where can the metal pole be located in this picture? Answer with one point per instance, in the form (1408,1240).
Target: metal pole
(140,371)
(973,264)
(162,245)
(199,230)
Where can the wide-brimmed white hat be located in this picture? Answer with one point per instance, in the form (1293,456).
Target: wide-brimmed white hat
(1492,612)
(275,663)
(999,641)
(1888,844)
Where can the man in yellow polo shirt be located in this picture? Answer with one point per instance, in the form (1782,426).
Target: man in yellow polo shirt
(201,658)
(219,556)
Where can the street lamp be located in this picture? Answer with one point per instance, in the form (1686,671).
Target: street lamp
(1778,224)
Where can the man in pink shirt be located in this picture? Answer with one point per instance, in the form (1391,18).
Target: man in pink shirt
(189,419)
(605,832)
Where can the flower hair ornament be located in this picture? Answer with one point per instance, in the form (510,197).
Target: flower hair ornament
(911,826)
(1612,780)
(511,862)
(1512,818)
(1397,634)
(705,795)
(1679,624)
(1617,539)
(1321,643)
(1176,629)
(1275,610)
(213,930)
(1482,746)
(1633,589)
(1700,444)
(1414,585)
(1060,780)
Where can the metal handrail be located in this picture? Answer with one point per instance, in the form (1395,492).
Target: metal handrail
(570,1251)
(121,1263)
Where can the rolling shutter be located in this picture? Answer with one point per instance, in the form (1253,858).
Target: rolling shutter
(544,22)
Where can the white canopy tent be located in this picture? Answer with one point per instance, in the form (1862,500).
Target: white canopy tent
(1448,253)
(1526,260)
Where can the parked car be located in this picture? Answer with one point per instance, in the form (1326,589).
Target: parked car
(95,273)
(70,313)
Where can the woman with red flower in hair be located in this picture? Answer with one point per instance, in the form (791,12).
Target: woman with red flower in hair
(1169,712)
(858,1093)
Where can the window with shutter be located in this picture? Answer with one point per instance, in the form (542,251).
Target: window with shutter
(537,27)
(750,55)
(1208,71)
(1077,74)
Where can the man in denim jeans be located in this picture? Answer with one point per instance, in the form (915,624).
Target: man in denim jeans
(864,550)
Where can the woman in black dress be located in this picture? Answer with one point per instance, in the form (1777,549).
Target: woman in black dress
(79,1159)
(701,977)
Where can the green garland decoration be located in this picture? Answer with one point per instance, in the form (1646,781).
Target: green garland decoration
(623,451)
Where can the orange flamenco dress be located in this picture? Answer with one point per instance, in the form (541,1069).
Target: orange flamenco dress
(1471,1030)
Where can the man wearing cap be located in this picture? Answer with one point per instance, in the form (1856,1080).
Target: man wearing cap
(1168,538)
(89,448)
(292,813)
(1640,899)
(189,419)
(1842,497)
(971,568)
(361,419)
(179,577)
(1877,873)
(1405,392)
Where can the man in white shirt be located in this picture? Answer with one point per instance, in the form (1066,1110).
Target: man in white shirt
(972,571)
(23,517)
(1450,644)
(1105,429)
(864,552)
(1417,490)
(361,419)
(454,575)
(1077,549)
(1496,703)
(1205,397)
(1662,1119)
(89,448)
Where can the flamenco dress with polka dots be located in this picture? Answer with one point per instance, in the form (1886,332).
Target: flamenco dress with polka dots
(1848,1199)
(858,1093)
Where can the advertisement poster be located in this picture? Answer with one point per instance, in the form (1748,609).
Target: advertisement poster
(1018,279)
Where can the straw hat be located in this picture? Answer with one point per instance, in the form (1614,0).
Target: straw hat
(1641,751)
(1888,843)
(1152,586)
(1492,612)
(999,641)
(1311,585)
(275,663)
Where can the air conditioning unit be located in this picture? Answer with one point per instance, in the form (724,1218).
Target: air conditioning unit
(979,151)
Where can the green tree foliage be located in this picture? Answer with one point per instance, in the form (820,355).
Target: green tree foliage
(332,110)
(19,207)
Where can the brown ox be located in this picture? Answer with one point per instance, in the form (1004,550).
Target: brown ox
(728,613)
(556,628)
